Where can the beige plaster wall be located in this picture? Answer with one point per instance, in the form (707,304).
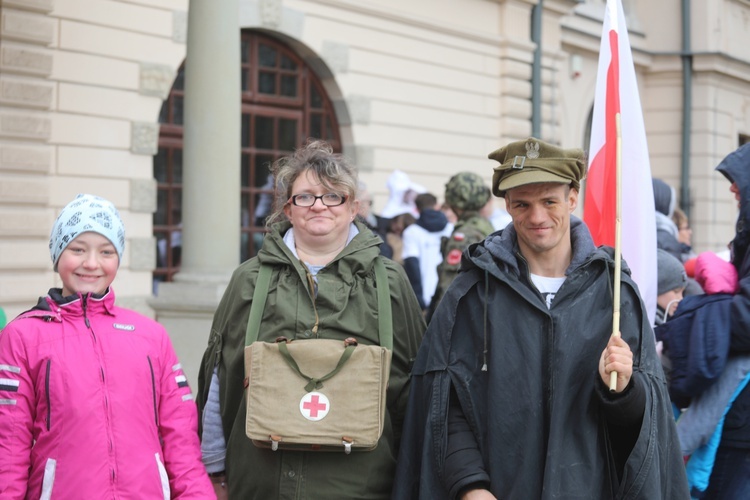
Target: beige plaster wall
(427,86)
(81,85)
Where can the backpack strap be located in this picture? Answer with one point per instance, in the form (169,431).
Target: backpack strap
(385,314)
(259,303)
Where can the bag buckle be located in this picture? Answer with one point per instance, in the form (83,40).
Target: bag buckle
(275,440)
(347,442)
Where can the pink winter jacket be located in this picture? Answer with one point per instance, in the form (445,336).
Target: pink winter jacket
(94,404)
(715,275)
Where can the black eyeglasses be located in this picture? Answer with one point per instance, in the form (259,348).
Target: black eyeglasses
(328,199)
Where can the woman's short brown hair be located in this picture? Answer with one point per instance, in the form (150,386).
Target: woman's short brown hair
(333,170)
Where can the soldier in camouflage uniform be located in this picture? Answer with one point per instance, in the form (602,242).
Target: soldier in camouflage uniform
(466,193)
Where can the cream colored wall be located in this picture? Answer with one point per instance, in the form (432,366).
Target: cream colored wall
(427,86)
(25,159)
(421,82)
(720,111)
(722,114)
(81,85)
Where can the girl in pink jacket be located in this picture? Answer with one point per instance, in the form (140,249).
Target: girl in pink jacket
(93,401)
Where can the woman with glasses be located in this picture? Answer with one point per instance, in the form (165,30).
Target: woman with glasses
(322,285)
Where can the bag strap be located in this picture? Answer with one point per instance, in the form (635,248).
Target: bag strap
(385,314)
(312,382)
(259,303)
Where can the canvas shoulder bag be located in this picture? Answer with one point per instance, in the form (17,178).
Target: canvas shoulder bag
(317,394)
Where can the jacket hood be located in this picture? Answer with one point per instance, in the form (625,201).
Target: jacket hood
(475,219)
(501,249)
(736,168)
(664,197)
(664,223)
(432,220)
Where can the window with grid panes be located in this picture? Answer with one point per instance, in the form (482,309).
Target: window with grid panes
(283,104)
(168,173)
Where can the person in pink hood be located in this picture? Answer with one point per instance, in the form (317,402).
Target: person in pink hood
(93,401)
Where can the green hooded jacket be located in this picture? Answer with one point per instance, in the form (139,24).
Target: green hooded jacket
(347,306)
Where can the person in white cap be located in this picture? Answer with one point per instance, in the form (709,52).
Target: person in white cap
(402,195)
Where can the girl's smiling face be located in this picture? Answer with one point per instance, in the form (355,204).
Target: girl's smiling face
(88,264)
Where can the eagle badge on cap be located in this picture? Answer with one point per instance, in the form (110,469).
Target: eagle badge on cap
(532,150)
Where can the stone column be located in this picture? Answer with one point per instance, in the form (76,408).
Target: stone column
(211,180)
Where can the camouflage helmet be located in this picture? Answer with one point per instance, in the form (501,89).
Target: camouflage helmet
(466,191)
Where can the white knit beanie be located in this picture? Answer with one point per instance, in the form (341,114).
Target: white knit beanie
(86,213)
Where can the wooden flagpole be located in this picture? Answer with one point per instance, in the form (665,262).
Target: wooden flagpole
(618,245)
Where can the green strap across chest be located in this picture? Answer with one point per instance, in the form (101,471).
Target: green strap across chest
(259,304)
(385,314)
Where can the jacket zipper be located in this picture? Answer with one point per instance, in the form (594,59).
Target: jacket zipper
(153,389)
(46,389)
(84,306)
(547,382)
(313,295)
(84,303)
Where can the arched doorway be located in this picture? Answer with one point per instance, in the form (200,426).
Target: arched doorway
(283,104)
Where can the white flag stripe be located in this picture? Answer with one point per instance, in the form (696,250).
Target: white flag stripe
(187,397)
(7,401)
(612,11)
(9,368)
(180,378)
(176,367)
(9,382)
(638,212)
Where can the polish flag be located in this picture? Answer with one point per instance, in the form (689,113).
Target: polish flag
(617,93)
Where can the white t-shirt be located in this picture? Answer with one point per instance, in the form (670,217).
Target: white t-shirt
(548,287)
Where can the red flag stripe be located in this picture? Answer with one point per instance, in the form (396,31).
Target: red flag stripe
(617,93)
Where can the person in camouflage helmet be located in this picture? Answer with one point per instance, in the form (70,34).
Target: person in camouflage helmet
(466,193)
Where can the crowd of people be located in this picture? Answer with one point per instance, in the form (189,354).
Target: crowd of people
(502,376)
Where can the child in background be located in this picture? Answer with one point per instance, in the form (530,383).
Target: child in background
(722,374)
(93,401)
(672,280)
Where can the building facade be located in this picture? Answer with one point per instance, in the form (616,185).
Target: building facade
(173,110)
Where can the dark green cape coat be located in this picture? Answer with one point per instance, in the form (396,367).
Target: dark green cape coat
(537,412)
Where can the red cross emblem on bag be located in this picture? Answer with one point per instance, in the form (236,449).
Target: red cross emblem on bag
(314,406)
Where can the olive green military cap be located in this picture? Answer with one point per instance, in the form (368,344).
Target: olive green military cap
(533,161)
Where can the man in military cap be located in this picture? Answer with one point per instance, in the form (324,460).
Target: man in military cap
(465,193)
(509,396)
